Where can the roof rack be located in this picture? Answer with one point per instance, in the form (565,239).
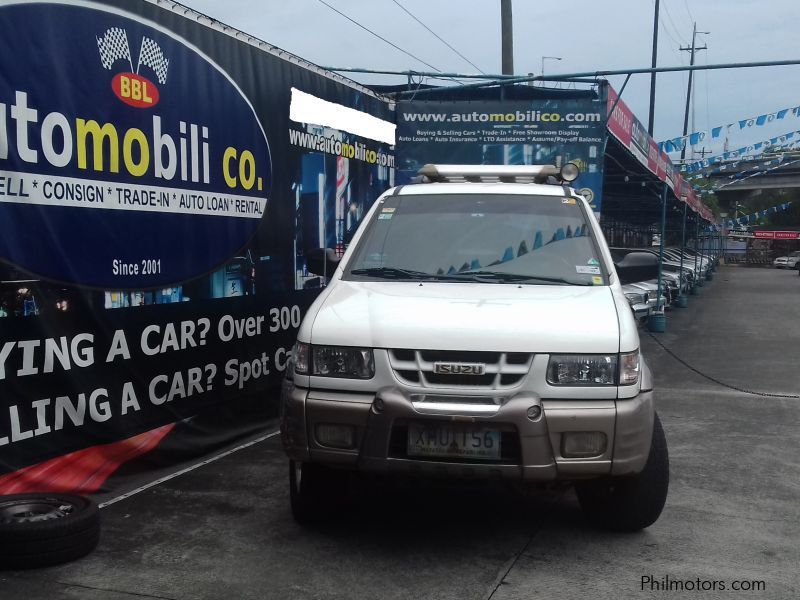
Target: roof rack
(431,173)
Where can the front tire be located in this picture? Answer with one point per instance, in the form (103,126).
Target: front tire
(314,491)
(630,503)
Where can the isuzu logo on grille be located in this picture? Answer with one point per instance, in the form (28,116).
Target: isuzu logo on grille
(447,368)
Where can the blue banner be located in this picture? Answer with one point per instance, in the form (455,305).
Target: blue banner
(505,133)
(103,157)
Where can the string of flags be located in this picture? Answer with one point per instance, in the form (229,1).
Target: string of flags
(757,215)
(694,138)
(733,166)
(736,177)
(748,219)
(780,140)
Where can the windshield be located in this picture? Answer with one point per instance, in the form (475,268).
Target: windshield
(492,238)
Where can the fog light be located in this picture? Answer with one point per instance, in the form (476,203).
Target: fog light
(579,444)
(534,412)
(336,436)
(378,405)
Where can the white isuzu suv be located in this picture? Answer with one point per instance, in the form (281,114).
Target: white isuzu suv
(476,328)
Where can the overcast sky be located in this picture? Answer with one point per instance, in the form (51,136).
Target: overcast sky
(588,35)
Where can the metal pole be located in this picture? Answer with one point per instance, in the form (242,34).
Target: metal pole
(663,241)
(682,300)
(619,97)
(653,75)
(446,75)
(657,322)
(507,29)
(698,281)
(693,49)
(688,96)
(606,73)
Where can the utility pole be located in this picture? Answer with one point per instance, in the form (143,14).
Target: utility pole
(691,49)
(507,30)
(653,75)
(548,58)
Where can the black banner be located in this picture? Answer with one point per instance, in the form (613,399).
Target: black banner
(156,206)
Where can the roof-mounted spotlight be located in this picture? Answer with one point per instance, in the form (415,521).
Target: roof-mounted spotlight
(570,172)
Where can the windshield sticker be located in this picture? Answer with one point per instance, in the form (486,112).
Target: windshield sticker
(388,210)
(587,270)
(597,280)
(568,201)
(385,216)
(593,261)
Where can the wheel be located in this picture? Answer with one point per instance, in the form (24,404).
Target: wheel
(37,530)
(630,503)
(314,491)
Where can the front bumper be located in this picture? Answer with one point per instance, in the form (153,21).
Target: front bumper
(641,310)
(533,447)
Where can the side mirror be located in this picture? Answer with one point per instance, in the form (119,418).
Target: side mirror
(637,266)
(322,261)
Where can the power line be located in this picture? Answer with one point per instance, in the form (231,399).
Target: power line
(669,16)
(380,37)
(691,16)
(708,110)
(662,24)
(410,14)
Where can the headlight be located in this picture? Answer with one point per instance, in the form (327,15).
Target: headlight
(335,361)
(633,297)
(629,368)
(300,356)
(593,369)
(582,369)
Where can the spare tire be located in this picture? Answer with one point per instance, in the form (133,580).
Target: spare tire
(43,529)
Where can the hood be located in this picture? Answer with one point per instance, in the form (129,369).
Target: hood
(456,316)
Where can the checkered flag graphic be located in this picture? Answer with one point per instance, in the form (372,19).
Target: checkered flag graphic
(113,46)
(151,56)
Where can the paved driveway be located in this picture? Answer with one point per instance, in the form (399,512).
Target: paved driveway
(224,530)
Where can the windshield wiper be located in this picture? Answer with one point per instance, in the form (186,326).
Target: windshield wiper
(393,273)
(513,277)
(480,276)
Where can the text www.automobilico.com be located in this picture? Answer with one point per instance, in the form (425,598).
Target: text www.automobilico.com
(518,116)
(330,145)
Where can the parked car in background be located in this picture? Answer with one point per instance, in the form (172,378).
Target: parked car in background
(651,288)
(637,298)
(686,276)
(792,261)
(671,281)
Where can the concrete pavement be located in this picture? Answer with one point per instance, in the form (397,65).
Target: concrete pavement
(225,530)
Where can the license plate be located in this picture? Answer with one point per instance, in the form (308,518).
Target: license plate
(454,442)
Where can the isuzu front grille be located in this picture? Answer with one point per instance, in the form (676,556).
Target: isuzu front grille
(498,370)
